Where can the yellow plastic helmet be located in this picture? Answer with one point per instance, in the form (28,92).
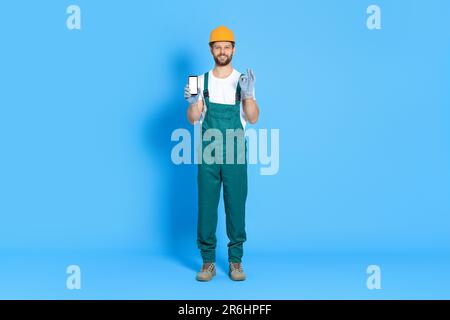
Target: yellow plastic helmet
(221,33)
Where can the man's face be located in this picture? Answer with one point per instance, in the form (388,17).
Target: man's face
(222,52)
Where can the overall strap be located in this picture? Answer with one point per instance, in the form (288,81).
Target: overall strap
(205,87)
(238,91)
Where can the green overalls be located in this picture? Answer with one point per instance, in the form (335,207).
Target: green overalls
(232,175)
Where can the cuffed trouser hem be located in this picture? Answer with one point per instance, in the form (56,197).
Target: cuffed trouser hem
(208,258)
(209,261)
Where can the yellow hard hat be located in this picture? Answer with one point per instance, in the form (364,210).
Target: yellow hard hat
(221,33)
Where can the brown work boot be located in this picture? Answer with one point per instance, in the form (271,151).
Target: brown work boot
(207,272)
(236,271)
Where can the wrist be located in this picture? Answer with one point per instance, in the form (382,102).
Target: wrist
(192,101)
(247,95)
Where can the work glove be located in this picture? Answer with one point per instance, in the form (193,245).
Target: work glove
(247,83)
(189,98)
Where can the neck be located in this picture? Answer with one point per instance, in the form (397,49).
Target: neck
(222,71)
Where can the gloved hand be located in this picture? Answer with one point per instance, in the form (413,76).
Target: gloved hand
(187,95)
(247,83)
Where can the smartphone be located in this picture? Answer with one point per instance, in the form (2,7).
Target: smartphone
(193,85)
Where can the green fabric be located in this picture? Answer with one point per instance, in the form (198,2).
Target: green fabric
(233,177)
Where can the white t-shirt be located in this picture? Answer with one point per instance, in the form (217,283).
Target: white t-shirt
(222,91)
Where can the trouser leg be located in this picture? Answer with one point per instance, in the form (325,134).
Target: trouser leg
(209,183)
(234,177)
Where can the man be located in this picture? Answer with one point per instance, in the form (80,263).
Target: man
(225,102)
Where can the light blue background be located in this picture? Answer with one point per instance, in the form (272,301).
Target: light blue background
(86,118)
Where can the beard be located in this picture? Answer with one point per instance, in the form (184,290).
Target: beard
(221,62)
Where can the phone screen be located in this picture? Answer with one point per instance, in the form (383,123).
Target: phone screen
(193,85)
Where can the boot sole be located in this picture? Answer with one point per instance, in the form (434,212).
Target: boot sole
(234,279)
(205,280)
